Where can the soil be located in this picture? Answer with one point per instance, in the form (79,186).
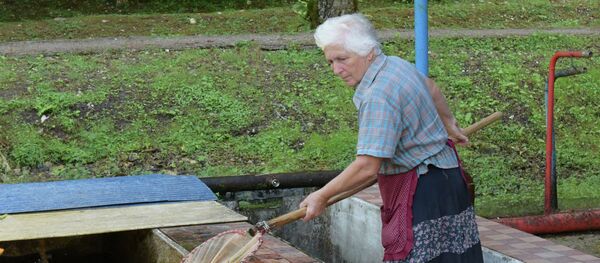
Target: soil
(588,242)
(266,42)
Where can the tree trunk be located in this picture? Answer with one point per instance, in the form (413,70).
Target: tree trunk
(320,10)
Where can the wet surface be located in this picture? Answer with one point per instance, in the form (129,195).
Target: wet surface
(271,250)
(588,241)
(63,256)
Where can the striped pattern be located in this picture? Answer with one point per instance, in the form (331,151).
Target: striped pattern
(398,120)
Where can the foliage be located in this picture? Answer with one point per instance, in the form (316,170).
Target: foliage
(244,110)
(30,146)
(281,18)
(21,10)
(309,11)
(301,8)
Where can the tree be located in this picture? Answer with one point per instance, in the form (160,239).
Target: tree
(319,10)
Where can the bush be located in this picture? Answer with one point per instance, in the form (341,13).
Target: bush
(12,10)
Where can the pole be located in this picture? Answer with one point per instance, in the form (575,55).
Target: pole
(421,37)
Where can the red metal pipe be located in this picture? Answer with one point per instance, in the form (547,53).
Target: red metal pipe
(552,222)
(555,223)
(548,193)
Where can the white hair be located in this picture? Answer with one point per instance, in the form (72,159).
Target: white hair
(353,32)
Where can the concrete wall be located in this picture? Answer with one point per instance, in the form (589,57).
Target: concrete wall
(355,231)
(356,234)
(491,256)
(350,231)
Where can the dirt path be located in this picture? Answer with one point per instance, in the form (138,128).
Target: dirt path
(267,42)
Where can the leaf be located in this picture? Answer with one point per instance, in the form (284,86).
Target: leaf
(300,8)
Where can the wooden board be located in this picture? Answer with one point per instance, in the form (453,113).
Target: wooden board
(113,219)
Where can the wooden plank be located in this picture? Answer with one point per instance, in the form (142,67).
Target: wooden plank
(113,219)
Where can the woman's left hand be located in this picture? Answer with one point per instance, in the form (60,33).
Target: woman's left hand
(315,204)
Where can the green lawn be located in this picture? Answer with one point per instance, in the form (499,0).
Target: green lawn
(385,15)
(246,111)
(217,112)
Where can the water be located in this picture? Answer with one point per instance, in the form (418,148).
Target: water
(63,256)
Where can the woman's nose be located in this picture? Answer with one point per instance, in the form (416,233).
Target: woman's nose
(337,69)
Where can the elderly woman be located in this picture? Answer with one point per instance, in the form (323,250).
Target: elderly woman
(403,141)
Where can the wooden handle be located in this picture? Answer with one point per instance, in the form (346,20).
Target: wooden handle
(287,218)
(482,123)
(300,213)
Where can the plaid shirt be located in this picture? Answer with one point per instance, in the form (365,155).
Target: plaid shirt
(398,120)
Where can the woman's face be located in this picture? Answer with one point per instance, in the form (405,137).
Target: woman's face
(349,66)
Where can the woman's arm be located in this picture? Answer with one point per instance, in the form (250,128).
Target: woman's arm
(361,170)
(454,131)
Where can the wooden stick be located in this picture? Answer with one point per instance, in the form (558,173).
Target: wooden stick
(300,213)
(482,123)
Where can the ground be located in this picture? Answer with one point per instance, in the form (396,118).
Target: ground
(588,242)
(268,42)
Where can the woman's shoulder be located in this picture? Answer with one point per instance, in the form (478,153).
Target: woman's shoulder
(399,64)
(398,79)
(398,71)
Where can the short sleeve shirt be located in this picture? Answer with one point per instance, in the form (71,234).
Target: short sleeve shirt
(398,120)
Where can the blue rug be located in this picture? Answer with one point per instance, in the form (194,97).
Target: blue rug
(69,194)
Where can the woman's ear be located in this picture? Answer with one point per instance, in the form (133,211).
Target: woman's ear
(371,55)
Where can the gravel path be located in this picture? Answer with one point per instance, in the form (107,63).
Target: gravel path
(267,42)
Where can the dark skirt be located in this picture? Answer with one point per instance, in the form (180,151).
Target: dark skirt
(444,226)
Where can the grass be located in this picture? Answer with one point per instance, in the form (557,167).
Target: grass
(281,19)
(219,112)
(21,10)
(216,112)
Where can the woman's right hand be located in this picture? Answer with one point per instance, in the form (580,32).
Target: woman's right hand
(315,204)
(456,134)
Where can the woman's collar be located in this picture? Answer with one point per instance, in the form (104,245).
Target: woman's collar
(373,69)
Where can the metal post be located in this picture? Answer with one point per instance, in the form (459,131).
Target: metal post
(421,37)
(550,194)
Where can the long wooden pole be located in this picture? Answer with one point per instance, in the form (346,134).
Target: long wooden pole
(300,213)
